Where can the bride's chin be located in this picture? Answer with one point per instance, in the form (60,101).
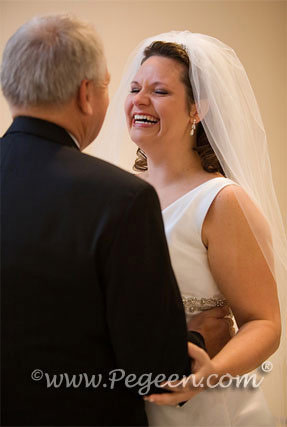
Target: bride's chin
(139,141)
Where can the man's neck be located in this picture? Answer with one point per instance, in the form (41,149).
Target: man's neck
(63,116)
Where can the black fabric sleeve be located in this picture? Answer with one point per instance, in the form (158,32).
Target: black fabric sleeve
(197,339)
(145,313)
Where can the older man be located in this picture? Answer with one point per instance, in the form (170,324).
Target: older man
(87,285)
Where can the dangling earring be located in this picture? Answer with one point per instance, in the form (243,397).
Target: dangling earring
(193,127)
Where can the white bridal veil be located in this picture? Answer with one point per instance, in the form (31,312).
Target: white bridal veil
(236,133)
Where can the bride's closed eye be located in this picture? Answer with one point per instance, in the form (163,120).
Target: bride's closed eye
(158,91)
(161,92)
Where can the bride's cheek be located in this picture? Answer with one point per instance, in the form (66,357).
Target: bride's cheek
(127,106)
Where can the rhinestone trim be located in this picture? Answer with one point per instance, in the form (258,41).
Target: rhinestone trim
(192,304)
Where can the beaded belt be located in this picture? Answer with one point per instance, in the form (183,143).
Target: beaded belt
(192,304)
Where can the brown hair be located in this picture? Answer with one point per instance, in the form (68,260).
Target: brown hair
(209,161)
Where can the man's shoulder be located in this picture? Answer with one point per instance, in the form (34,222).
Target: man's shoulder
(66,159)
(71,171)
(96,170)
(117,189)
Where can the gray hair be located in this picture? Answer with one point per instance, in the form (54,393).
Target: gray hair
(47,58)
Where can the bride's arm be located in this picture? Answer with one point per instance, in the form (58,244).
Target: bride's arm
(244,278)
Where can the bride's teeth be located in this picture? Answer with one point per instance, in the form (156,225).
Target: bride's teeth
(144,117)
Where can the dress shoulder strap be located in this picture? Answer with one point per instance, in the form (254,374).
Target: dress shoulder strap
(207,195)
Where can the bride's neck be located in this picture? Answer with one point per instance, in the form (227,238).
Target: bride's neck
(171,170)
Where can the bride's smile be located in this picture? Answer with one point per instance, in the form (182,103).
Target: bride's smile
(144,120)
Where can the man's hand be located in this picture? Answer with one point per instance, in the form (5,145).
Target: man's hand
(190,386)
(215,328)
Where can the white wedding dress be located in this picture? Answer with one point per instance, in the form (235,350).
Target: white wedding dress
(183,221)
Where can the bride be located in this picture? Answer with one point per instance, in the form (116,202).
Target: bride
(201,144)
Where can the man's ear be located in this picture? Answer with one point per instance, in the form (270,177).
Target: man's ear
(84,97)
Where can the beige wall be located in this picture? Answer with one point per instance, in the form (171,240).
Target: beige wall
(255,29)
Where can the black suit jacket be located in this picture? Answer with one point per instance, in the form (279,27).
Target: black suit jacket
(87,284)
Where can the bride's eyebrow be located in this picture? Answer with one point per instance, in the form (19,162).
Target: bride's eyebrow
(154,83)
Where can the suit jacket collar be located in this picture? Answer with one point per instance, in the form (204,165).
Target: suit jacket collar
(43,129)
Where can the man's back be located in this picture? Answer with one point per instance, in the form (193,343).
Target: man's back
(81,290)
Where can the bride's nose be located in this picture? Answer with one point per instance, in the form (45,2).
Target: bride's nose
(141,98)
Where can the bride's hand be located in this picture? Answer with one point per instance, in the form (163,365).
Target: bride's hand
(216,327)
(187,388)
